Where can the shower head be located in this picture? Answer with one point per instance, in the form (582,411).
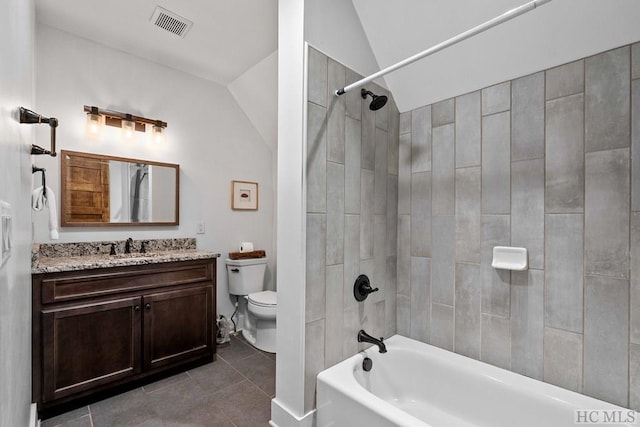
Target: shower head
(377,102)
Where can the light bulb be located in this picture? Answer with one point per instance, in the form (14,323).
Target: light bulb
(157,134)
(94,123)
(128,128)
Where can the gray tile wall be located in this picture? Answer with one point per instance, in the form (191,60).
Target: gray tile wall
(353,221)
(548,161)
(417,201)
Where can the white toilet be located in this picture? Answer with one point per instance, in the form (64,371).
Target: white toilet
(246,277)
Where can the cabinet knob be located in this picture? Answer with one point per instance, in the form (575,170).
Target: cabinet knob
(147,306)
(136,308)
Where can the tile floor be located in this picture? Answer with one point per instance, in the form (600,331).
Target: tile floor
(235,390)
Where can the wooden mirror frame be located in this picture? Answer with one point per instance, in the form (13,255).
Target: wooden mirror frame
(65,200)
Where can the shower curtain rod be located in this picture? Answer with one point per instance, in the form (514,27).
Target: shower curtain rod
(445,44)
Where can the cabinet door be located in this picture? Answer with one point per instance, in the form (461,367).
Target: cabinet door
(88,345)
(177,325)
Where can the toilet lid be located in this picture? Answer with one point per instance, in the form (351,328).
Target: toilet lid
(264,298)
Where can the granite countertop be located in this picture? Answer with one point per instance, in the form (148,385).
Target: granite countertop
(56,258)
(88,262)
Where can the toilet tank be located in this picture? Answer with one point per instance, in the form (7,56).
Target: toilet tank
(246,276)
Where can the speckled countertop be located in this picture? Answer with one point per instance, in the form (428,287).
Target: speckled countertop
(59,257)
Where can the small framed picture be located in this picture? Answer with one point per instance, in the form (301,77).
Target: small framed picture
(244,196)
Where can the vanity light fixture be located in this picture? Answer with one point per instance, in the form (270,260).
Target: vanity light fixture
(129,123)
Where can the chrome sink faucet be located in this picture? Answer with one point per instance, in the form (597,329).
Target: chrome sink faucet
(365,337)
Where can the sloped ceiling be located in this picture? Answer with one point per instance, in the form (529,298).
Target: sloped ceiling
(256,91)
(334,28)
(556,33)
(227,37)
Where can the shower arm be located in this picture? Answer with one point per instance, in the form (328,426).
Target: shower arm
(513,13)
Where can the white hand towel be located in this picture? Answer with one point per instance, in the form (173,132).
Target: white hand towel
(39,201)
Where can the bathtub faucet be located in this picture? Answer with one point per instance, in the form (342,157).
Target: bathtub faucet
(365,337)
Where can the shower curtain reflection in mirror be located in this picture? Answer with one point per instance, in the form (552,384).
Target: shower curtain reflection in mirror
(130,191)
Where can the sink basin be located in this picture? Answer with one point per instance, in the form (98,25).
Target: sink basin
(138,255)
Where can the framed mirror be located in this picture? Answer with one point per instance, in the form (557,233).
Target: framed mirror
(100,190)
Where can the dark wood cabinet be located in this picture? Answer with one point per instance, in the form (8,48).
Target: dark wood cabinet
(177,325)
(88,345)
(96,329)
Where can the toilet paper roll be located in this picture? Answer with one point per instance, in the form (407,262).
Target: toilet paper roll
(246,247)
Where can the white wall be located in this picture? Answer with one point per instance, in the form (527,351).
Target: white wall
(16,87)
(256,92)
(207,134)
(287,408)
(162,178)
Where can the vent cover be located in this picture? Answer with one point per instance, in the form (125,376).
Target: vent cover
(170,21)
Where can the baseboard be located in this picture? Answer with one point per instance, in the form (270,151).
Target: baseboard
(33,418)
(281,416)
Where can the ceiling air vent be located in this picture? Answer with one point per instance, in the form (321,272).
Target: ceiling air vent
(170,21)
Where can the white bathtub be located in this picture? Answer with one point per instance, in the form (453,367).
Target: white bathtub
(415,384)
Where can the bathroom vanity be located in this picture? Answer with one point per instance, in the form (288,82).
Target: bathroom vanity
(104,321)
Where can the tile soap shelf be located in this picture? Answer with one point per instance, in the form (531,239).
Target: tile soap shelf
(509,258)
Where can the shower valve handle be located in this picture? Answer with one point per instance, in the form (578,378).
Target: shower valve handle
(362,288)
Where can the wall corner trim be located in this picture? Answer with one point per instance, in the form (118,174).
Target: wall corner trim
(33,416)
(281,416)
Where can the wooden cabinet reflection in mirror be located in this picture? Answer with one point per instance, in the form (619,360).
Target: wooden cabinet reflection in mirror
(102,190)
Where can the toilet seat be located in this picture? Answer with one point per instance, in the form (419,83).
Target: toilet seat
(263,305)
(263,299)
